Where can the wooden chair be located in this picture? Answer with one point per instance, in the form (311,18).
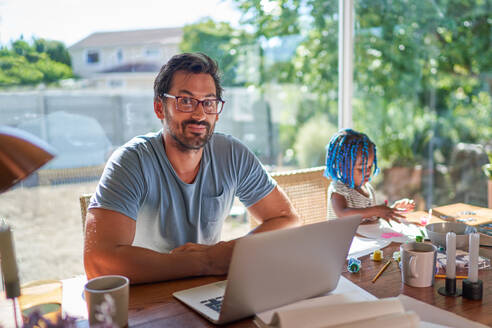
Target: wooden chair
(307,189)
(84,204)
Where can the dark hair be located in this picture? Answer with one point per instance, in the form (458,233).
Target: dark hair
(341,155)
(189,62)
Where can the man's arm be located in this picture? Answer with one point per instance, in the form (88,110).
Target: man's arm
(109,235)
(108,250)
(274,211)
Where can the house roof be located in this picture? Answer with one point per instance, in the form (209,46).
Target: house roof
(125,38)
(140,67)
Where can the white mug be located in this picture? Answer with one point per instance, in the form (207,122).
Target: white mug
(107,300)
(418,264)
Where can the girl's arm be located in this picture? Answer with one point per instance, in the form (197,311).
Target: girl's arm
(339,204)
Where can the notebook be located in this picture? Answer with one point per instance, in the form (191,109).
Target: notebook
(275,268)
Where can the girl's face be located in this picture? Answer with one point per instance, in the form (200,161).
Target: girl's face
(362,173)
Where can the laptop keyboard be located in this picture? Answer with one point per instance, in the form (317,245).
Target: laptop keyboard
(213,303)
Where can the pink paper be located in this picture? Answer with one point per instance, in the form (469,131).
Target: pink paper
(387,235)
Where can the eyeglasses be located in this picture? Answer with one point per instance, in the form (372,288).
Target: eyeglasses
(189,104)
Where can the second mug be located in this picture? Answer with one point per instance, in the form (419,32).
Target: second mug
(418,264)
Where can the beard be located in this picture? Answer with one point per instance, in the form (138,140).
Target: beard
(186,143)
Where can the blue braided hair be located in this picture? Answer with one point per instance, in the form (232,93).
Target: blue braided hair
(341,155)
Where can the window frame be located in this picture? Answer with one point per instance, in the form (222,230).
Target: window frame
(89,52)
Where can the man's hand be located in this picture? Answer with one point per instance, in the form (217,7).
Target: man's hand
(190,247)
(109,250)
(218,256)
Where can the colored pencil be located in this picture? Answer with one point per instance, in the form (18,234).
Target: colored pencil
(381,271)
(444,276)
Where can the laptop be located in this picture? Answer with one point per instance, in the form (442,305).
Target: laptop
(275,268)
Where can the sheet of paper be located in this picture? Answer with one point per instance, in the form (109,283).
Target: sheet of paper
(345,292)
(73,302)
(430,313)
(7,318)
(363,246)
(337,313)
(366,312)
(396,232)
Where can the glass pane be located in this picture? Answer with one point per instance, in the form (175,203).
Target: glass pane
(423,94)
(282,76)
(90,94)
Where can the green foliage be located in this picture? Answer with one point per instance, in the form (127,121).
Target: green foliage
(420,69)
(221,42)
(25,64)
(271,18)
(428,56)
(312,138)
(53,71)
(56,50)
(487,169)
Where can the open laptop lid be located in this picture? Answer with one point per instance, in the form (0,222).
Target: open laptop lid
(279,267)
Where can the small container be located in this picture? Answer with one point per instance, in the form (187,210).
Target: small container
(437,233)
(377,255)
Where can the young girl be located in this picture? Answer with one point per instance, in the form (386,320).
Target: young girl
(350,161)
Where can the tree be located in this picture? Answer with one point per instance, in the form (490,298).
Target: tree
(56,50)
(271,19)
(26,64)
(221,42)
(427,59)
(420,68)
(312,139)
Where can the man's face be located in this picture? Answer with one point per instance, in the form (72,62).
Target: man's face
(190,131)
(362,173)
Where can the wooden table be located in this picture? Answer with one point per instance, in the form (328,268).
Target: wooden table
(389,284)
(152,305)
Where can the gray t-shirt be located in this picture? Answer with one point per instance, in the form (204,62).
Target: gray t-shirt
(140,182)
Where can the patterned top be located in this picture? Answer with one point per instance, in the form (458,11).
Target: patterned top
(354,198)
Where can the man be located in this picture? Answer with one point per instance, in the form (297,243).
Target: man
(158,210)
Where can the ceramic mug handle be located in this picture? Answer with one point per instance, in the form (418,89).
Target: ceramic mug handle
(412,263)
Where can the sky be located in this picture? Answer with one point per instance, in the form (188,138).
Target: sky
(72,20)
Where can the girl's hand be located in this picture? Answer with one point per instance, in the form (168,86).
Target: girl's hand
(387,213)
(404,205)
(370,220)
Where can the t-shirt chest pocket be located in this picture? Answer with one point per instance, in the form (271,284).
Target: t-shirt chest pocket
(213,212)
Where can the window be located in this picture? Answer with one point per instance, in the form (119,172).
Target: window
(421,91)
(119,55)
(92,57)
(275,103)
(116,83)
(152,52)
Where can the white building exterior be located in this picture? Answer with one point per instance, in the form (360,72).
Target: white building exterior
(124,59)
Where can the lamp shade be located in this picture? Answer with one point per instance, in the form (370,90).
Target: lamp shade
(21,154)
